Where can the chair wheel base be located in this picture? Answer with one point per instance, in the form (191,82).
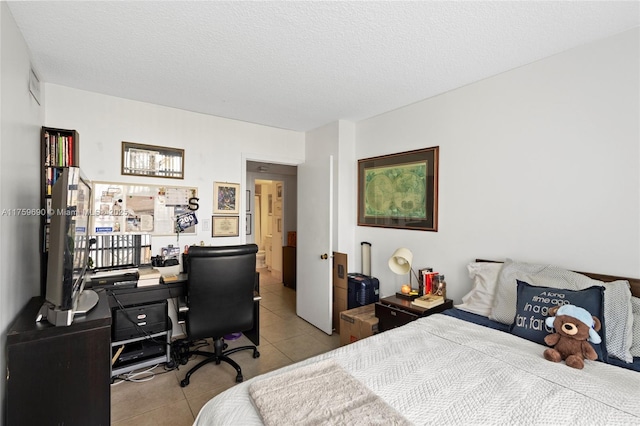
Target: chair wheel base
(239,378)
(256,354)
(184,383)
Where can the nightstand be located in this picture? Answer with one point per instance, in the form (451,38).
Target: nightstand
(393,312)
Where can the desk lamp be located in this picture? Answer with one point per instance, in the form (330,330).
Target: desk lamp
(400,263)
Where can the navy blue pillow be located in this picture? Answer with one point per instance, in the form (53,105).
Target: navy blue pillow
(533,304)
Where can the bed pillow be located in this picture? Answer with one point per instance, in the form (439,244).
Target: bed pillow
(635,344)
(485,277)
(533,304)
(617,299)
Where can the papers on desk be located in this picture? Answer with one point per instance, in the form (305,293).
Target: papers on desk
(114,272)
(148,276)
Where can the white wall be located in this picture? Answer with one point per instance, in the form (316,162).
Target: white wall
(20,121)
(214,147)
(347,198)
(538,164)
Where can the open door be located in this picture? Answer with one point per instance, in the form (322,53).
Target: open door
(314,295)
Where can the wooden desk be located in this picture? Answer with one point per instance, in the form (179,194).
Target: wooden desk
(59,375)
(148,294)
(178,288)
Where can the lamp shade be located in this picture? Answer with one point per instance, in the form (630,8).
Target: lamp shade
(400,261)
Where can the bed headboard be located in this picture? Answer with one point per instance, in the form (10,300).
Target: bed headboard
(634,282)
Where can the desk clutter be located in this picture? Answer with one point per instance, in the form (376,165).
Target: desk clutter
(133,277)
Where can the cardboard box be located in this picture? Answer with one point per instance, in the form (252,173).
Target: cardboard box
(339,287)
(357,323)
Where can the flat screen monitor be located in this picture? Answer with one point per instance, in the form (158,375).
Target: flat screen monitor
(68,248)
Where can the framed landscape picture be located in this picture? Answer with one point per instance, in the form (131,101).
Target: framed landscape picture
(399,190)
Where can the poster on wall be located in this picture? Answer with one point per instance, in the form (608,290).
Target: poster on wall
(129,208)
(226,198)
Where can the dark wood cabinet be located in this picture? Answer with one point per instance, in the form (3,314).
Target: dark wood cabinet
(394,312)
(289,266)
(59,375)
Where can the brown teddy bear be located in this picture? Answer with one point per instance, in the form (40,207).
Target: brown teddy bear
(573,326)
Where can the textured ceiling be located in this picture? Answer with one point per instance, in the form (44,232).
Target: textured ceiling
(299,65)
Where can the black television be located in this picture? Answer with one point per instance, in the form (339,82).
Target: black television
(69,243)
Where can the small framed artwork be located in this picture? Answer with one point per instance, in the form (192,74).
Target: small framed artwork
(399,190)
(279,224)
(248,224)
(270,204)
(225,226)
(248,202)
(277,208)
(226,198)
(279,191)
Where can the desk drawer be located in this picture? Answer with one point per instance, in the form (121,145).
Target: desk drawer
(390,317)
(139,321)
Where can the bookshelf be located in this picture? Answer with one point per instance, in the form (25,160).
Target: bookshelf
(59,149)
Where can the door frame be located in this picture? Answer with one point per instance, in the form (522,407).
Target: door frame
(261,158)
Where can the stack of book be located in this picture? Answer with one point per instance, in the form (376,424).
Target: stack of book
(428,301)
(148,276)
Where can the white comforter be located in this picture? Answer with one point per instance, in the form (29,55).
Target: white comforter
(441,370)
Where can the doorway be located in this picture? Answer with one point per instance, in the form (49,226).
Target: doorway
(272,213)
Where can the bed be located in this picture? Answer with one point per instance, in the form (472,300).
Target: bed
(464,366)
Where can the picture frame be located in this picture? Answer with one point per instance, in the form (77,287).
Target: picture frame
(279,191)
(248,224)
(152,161)
(225,226)
(270,204)
(279,224)
(226,198)
(399,190)
(248,201)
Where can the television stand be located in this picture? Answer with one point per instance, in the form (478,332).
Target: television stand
(65,370)
(87,300)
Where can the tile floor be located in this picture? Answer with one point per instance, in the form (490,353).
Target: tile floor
(284,338)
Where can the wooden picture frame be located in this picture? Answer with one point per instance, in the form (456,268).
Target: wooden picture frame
(225,226)
(279,191)
(248,224)
(226,198)
(248,202)
(152,161)
(399,190)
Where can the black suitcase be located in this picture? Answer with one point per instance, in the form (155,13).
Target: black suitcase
(362,290)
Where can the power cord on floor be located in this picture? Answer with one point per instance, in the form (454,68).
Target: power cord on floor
(134,376)
(180,350)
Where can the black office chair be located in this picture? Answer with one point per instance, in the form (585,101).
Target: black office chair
(220,291)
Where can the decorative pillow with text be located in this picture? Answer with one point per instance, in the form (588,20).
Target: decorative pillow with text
(533,304)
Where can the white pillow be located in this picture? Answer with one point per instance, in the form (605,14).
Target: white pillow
(635,345)
(485,277)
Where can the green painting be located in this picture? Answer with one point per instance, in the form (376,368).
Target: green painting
(396,191)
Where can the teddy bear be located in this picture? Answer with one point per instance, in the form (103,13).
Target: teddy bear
(574,328)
